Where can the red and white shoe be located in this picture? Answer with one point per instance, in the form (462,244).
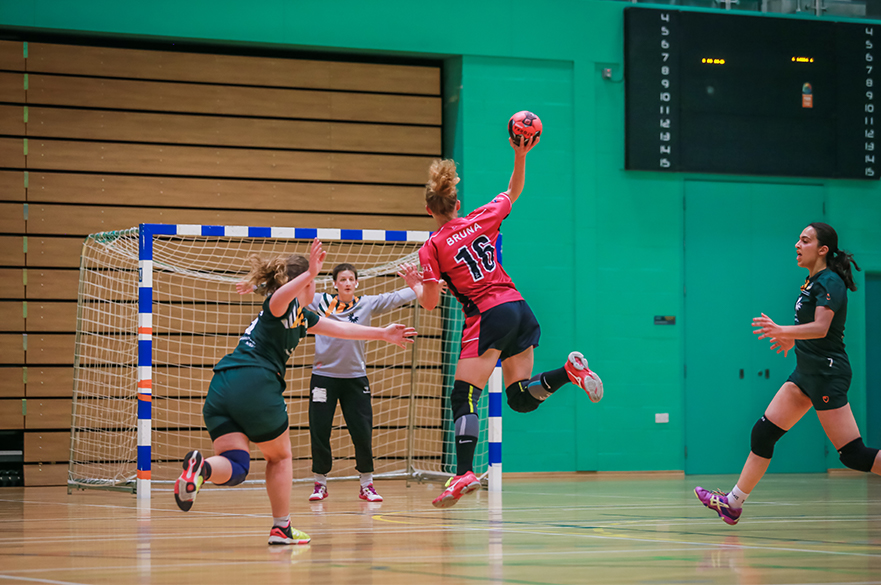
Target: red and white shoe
(457,487)
(190,481)
(319,493)
(369,493)
(583,377)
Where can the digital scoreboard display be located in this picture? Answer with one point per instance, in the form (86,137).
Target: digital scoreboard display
(753,95)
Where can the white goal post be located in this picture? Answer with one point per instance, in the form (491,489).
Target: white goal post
(157,308)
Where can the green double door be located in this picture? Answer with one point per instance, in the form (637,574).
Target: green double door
(740,262)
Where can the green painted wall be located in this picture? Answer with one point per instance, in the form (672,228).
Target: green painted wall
(597,251)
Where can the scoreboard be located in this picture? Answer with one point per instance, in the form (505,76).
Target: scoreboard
(754,95)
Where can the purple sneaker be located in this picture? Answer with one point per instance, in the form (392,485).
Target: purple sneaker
(718,502)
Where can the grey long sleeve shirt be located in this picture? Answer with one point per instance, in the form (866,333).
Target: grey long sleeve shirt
(344,358)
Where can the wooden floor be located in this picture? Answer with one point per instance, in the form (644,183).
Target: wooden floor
(566,529)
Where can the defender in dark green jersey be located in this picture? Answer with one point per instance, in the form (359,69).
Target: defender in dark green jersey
(245,402)
(822,374)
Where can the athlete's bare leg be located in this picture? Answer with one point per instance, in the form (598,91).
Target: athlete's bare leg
(518,367)
(477,370)
(786,409)
(221,468)
(841,428)
(279,473)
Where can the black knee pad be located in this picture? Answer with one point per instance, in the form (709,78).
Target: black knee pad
(857,456)
(764,436)
(463,398)
(520,399)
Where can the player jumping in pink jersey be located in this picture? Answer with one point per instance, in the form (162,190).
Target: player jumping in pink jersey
(498,322)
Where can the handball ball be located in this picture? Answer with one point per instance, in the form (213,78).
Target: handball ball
(524,124)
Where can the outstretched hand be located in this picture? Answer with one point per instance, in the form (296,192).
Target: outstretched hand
(244,287)
(413,277)
(526,144)
(316,258)
(783,345)
(411,274)
(765,327)
(399,334)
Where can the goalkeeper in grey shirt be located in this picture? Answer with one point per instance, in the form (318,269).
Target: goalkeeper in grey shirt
(339,374)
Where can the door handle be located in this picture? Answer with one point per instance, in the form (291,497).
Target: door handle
(741,373)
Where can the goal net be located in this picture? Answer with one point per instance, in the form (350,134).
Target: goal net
(157,309)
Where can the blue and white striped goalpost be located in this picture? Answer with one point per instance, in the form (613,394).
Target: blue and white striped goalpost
(494,424)
(494,473)
(147,232)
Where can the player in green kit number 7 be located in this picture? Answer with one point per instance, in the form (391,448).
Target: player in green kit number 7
(822,374)
(245,402)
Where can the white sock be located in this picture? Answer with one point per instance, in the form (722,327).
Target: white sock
(737,497)
(281,522)
(366,479)
(321,478)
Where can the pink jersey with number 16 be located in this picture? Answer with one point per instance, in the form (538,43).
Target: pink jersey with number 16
(463,254)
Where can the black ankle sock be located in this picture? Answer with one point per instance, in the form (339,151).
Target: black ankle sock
(206,470)
(552,380)
(465,446)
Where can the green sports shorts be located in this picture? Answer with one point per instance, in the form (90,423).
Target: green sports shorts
(827,390)
(246,400)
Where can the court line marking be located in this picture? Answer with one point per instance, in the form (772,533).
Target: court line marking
(171,513)
(703,545)
(35,580)
(416,559)
(392,561)
(123,567)
(308,514)
(416,527)
(652,540)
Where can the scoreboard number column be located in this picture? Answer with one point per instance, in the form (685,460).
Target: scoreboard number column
(666,120)
(857,71)
(869,106)
(652,89)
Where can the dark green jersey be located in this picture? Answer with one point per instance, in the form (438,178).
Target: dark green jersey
(269,341)
(824,289)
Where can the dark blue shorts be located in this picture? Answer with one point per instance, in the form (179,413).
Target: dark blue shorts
(510,328)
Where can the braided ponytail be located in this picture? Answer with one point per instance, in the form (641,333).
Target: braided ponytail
(840,264)
(838,261)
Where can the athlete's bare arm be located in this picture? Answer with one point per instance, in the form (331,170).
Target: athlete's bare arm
(430,292)
(818,329)
(280,300)
(518,177)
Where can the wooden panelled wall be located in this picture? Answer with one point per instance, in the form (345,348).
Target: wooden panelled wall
(96,138)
